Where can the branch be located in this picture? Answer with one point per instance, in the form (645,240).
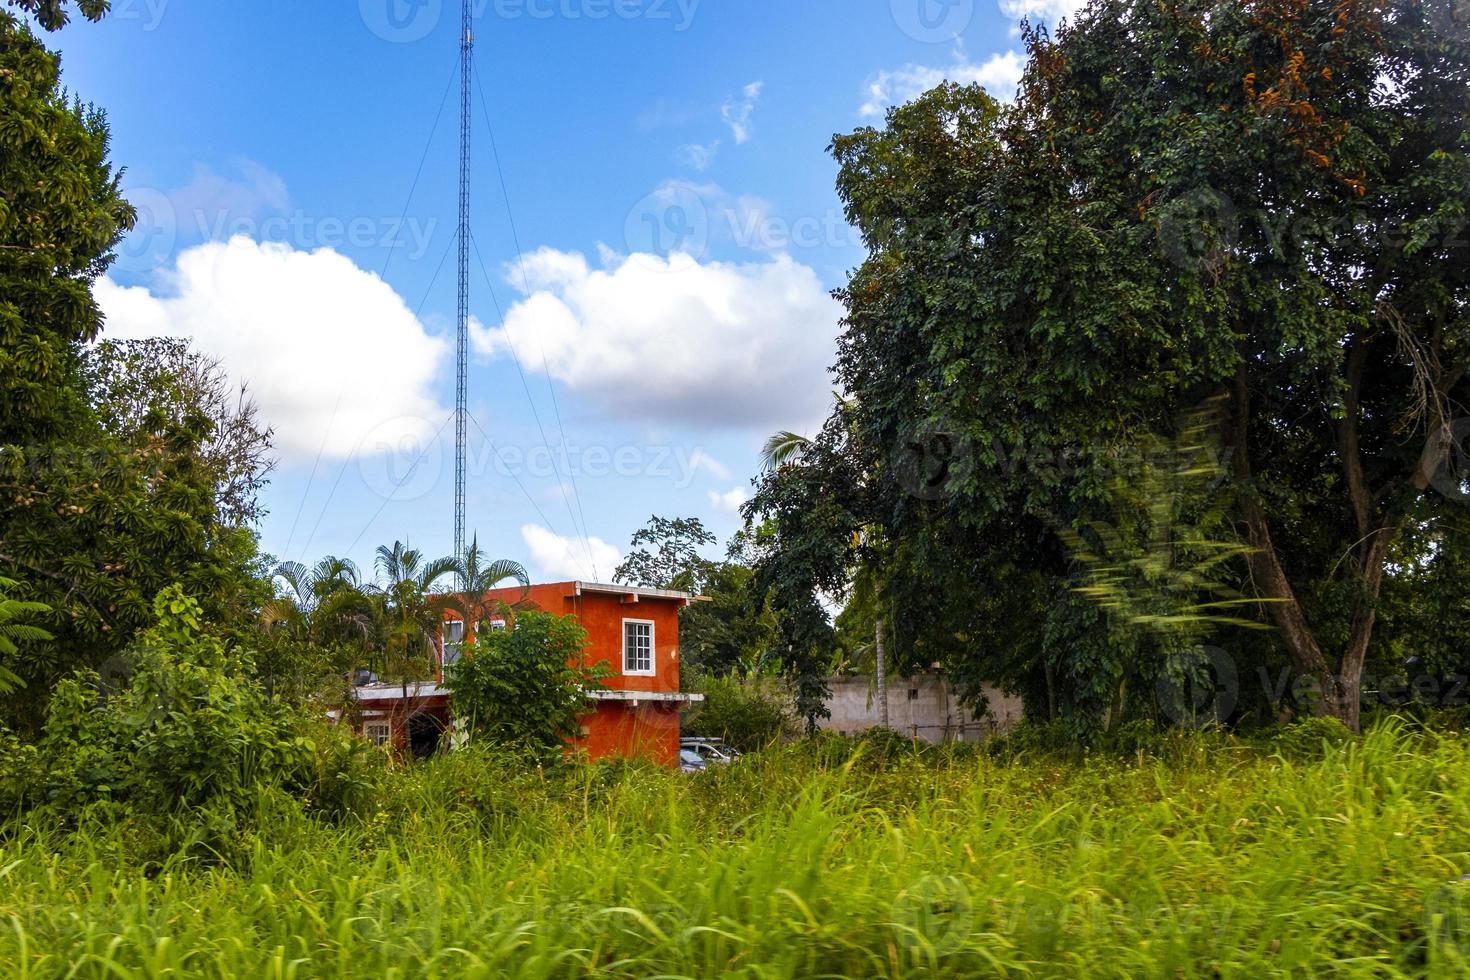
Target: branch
(72,587)
(1347,439)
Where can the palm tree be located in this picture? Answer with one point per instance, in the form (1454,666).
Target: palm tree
(788,447)
(477,576)
(323,603)
(410,621)
(402,564)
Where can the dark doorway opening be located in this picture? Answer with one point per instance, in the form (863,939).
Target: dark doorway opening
(425,734)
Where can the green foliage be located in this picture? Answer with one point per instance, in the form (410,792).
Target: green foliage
(54,14)
(177,727)
(108,492)
(1158,564)
(675,562)
(1255,203)
(526,686)
(829,857)
(13,633)
(805,519)
(145,389)
(730,623)
(60,213)
(731,626)
(748,714)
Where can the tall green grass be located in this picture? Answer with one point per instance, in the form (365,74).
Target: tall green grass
(1208,857)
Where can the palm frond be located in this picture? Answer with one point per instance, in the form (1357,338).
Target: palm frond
(502,569)
(332,572)
(782,448)
(435,570)
(297,577)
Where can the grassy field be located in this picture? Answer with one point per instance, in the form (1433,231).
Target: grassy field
(1205,857)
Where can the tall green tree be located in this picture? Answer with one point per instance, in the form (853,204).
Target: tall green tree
(97,513)
(730,626)
(141,388)
(729,623)
(55,14)
(61,213)
(666,555)
(1260,202)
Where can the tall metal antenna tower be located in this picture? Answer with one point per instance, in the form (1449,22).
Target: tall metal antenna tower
(461,408)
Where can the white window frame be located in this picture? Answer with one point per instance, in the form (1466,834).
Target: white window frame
(380,733)
(652,670)
(446,645)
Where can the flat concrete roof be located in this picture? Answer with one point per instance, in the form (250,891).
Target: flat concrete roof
(633,590)
(390,692)
(644,696)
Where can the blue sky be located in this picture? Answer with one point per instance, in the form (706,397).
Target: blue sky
(665,168)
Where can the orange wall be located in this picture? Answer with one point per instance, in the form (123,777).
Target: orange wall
(614,728)
(602,615)
(618,730)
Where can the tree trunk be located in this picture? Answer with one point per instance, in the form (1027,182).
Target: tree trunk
(1266,570)
(1376,533)
(882,672)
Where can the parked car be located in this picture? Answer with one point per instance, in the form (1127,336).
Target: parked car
(709,750)
(690,761)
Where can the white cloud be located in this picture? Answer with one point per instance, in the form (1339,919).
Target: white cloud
(702,460)
(737,112)
(555,558)
(676,340)
(1050,11)
(699,156)
(730,501)
(331,353)
(1000,74)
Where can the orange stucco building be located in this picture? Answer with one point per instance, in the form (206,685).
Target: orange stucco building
(634,631)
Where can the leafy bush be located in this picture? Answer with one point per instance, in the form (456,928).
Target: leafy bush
(13,631)
(746,714)
(527,685)
(183,731)
(1058,737)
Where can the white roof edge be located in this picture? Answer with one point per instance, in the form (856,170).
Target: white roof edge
(389,692)
(605,588)
(429,689)
(643,696)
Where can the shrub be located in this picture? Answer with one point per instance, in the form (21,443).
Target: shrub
(187,732)
(746,714)
(1058,737)
(527,685)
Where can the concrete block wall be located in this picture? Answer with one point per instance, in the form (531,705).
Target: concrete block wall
(921,707)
